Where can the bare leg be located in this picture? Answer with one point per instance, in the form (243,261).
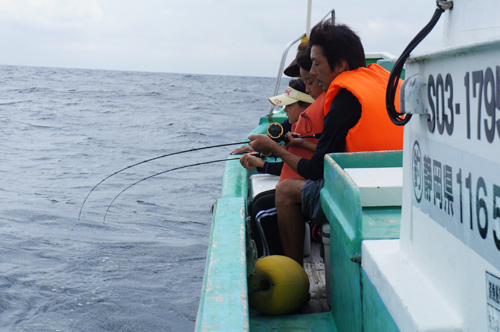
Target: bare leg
(290,218)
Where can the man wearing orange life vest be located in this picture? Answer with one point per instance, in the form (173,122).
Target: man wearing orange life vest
(264,216)
(356,120)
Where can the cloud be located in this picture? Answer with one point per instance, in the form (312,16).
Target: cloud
(190,36)
(51,14)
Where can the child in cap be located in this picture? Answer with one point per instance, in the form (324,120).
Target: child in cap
(295,100)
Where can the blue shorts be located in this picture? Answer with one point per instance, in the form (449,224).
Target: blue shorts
(311,204)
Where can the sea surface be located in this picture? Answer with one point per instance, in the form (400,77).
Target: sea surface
(64,130)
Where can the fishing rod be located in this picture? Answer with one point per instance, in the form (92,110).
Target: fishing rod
(168,170)
(151,159)
(280,137)
(274,130)
(286,140)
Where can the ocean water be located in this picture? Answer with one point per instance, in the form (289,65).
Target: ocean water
(63,131)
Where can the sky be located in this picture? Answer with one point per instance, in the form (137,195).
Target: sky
(216,37)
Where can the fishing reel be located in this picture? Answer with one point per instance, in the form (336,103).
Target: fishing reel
(277,133)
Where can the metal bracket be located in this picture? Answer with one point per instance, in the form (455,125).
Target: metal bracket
(410,95)
(444,5)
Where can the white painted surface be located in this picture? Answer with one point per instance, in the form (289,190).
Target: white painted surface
(381,186)
(262,182)
(381,55)
(471,21)
(449,249)
(413,302)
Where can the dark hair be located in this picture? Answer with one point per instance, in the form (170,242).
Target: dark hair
(338,42)
(304,59)
(299,85)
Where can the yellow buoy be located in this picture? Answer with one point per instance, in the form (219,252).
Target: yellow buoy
(279,286)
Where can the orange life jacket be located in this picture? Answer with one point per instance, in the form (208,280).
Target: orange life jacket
(374,130)
(310,122)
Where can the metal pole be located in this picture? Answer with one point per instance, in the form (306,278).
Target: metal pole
(308,24)
(283,59)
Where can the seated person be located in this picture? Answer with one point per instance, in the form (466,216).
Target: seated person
(264,223)
(292,105)
(355,120)
(296,100)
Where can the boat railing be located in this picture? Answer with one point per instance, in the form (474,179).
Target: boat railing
(330,13)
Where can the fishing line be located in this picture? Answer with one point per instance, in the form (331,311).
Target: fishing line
(151,159)
(168,170)
(275,131)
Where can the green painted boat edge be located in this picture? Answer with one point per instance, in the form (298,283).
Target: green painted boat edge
(341,203)
(224,301)
(368,159)
(346,288)
(312,322)
(223,304)
(376,317)
(278,116)
(344,211)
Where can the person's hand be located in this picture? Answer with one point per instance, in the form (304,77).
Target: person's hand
(250,161)
(242,150)
(263,143)
(292,141)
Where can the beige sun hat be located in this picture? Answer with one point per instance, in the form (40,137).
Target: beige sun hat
(291,96)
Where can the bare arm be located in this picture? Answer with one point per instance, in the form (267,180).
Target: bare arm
(300,142)
(242,149)
(265,144)
(248,161)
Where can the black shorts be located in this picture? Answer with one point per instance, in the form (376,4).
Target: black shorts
(264,224)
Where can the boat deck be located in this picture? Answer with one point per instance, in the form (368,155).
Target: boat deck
(315,268)
(315,315)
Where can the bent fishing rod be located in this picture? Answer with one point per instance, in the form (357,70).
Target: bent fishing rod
(274,130)
(160,173)
(151,159)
